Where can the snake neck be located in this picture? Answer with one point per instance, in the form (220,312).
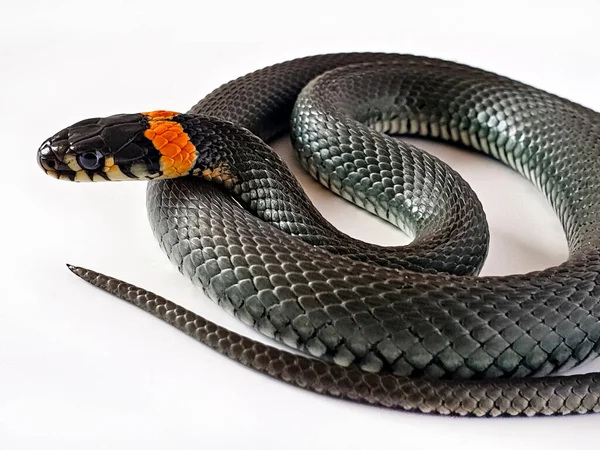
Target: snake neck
(230,155)
(245,166)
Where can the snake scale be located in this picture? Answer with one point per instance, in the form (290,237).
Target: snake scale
(413,327)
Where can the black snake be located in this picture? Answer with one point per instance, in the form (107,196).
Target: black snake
(408,327)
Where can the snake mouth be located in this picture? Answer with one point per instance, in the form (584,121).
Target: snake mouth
(80,175)
(54,160)
(50,158)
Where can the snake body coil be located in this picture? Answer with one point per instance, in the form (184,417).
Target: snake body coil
(412,327)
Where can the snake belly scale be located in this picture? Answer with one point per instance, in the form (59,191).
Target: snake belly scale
(410,327)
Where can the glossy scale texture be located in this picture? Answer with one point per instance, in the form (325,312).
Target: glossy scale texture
(410,327)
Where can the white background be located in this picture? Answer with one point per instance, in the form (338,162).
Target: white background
(80,369)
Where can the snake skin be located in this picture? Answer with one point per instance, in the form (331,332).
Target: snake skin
(434,338)
(539,396)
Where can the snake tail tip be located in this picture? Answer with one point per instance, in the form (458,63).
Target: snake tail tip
(81,272)
(100,280)
(73,268)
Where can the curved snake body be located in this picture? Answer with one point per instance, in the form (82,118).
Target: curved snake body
(411,327)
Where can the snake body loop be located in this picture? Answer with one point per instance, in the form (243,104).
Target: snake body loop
(412,327)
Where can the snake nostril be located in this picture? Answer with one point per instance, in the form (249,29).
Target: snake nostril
(51,164)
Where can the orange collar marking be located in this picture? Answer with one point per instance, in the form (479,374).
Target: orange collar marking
(160,114)
(168,137)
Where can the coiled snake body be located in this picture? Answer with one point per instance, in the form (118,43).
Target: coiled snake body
(412,327)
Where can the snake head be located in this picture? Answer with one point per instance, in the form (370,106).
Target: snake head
(120,147)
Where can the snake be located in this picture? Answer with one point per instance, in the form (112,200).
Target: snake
(413,327)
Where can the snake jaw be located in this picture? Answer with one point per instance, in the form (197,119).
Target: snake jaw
(57,162)
(51,158)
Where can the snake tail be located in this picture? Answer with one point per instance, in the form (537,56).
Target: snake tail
(483,398)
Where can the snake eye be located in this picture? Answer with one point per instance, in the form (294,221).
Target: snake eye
(91,160)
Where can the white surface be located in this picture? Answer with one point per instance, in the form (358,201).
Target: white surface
(80,369)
